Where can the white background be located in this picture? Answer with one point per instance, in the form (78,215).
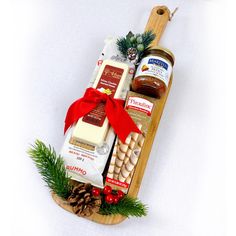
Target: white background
(49,50)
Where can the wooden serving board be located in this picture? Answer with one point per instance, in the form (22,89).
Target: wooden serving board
(157,22)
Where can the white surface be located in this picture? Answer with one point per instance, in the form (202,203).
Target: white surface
(51,50)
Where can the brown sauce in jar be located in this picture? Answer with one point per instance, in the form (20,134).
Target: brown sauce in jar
(154,72)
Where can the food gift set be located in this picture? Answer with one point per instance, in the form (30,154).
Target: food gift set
(109,130)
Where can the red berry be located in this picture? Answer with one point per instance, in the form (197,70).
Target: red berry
(109,198)
(120,194)
(116,199)
(96,192)
(107,190)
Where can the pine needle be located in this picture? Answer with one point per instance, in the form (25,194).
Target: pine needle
(148,37)
(127,207)
(51,168)
(123,46)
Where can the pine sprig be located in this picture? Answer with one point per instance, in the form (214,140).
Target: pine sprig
(51,167)
(127,207)
(140,42)
(53,172)
(148,37)
(123,45)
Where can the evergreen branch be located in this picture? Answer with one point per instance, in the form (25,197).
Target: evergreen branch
(148,37)
(127,207)
(140,42)
(51,168)
(123,46)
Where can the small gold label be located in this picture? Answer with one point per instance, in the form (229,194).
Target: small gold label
(78,143)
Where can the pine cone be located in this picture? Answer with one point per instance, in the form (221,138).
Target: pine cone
(82,200)
(132,54)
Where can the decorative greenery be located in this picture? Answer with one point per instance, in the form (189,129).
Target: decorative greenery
(124,44)
(127,207)
(140,42)
(53,172)
(51,168)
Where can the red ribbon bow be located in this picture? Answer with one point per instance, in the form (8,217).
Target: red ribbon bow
(118,118)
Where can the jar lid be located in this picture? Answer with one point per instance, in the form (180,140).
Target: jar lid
(166,52)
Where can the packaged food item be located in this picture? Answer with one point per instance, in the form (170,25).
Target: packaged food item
(85,162)
(93,127)
(125,155)
(154,72)
(86,159)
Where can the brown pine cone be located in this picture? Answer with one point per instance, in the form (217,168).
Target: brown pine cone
(82,200)
(132,54)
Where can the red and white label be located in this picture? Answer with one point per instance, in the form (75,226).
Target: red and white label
(117,182)
(140,104)
(131,71)
(76,169)
(99,62)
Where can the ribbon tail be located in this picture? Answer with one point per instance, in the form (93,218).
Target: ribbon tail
(120,120)
(66,127)
(71,115)
(128,126)
(77,109)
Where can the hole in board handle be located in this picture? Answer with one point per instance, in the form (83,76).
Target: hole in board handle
(160,11)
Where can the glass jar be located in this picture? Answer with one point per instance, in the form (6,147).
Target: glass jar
(153,73)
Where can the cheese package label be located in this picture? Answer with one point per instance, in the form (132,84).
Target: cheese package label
(93,127)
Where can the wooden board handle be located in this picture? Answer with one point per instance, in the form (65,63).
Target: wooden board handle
(157,22)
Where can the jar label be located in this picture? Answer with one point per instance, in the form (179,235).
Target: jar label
(156,67)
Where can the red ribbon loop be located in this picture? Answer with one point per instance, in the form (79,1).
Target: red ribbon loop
(118,118)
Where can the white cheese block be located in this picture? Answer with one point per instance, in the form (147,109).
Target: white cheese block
(93,127)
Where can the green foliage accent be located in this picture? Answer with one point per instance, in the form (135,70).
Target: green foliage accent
(127,207)
(51,168)
(132,41)
(148,37)
(123,46)
(53,172)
